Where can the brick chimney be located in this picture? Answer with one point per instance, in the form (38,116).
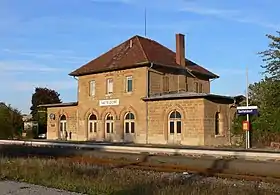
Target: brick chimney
(180,49)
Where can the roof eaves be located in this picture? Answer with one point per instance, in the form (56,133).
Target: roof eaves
(140,64)
(58,105)
(210,74)
(185,96)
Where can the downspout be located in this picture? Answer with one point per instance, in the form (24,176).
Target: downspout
(230,118)
(147,95)
(77,113)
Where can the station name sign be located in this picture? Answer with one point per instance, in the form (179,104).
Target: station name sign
(243,110)
(110,102)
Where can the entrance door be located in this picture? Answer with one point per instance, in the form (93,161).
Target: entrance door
(129,127)
(92,127)
(63,132)
(174,128)
(109,127)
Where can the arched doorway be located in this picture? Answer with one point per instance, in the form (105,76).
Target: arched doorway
(174,128)
(63,127)
(92,126)
(109,126)
(129,127)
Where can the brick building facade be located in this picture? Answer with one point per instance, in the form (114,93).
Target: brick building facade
(142,92)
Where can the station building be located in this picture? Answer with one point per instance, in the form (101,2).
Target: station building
(140,91)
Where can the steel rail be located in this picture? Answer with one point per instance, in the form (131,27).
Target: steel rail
(170,168)
(256,155)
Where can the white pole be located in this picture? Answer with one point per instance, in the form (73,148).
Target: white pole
(248,117)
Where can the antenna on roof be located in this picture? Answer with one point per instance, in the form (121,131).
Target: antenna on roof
(145,22)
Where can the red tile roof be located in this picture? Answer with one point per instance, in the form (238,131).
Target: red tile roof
(137,51)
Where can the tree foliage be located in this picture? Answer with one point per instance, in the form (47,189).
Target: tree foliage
(266,95)
(43,96)
(11,123)
(271,57)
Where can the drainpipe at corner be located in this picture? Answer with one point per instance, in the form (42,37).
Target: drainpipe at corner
(230,118)
(77,113)
(147,107)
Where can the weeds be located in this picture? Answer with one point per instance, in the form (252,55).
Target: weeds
(100,180)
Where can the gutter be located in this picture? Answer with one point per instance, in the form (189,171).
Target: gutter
(147,96)
(213,79)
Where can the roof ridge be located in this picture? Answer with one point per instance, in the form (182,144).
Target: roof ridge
(142,48)
(154,41)
(145,49)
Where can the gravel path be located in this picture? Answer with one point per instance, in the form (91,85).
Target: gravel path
(15,188)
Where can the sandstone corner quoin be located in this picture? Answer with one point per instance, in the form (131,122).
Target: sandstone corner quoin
(142,92)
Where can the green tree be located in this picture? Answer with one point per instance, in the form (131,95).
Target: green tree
(11,122)
(39,97)
(271,57)
(266,95)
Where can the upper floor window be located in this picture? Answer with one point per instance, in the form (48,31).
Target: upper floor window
(92,88)
(196,87)
(200,87)
(109,86)
(129,84)
(165,84)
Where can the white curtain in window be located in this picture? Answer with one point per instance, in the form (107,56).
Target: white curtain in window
(92,88)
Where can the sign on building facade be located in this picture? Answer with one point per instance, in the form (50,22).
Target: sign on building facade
(110,102)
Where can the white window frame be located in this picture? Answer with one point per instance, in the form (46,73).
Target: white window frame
(93,124)
(109,86)
(175,123)
(129,121)
(92,88)
(110,122)
(129,78)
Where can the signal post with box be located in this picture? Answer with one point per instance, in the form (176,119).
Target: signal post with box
(247,110)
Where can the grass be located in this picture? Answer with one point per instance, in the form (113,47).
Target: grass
(98,180)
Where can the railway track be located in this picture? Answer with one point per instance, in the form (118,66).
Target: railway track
(142,165)
(218,167)
(262,155)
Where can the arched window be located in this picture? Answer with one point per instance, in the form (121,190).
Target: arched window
(175,123)
(129,123)
(92,123)
(109,123)
(218,129)
(63,118)
(62,126)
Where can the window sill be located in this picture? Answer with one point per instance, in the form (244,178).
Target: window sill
(108,94)
(129,93)
(217,136)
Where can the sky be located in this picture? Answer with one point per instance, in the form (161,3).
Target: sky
(41,42)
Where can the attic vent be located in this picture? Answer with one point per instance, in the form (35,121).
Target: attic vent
(130,43)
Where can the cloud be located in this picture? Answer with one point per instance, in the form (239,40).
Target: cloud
(70,24)
(232,71)
(56,85)
(112,1)
(229,14)
(209,11)
(21,66)
(259,22)
(60,55)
